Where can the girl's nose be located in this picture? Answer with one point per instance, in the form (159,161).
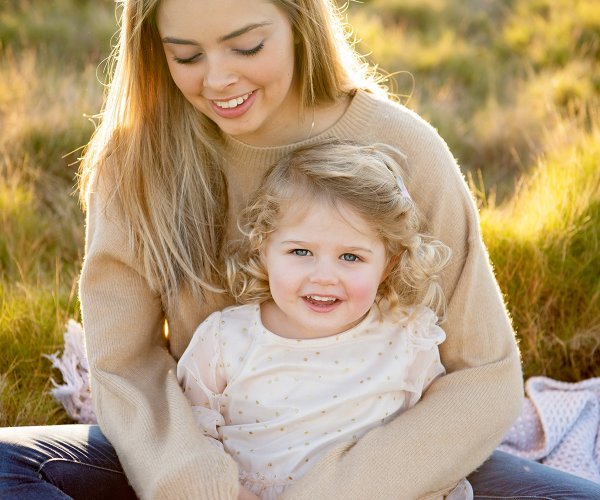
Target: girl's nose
(218,76)
(324,273)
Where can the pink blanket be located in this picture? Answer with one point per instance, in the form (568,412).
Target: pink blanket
(559,426)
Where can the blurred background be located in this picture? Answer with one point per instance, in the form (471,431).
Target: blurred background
(512,85)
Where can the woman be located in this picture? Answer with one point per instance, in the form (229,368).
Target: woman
(205,95)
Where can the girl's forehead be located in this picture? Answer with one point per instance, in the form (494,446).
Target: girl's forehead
(298,209)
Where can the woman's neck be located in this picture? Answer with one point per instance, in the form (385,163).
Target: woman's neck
(310,122)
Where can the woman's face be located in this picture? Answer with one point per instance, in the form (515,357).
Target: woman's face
(233,60)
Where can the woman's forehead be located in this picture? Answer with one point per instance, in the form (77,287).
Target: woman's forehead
(198,20)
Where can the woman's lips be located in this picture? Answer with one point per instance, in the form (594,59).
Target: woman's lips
(234,107)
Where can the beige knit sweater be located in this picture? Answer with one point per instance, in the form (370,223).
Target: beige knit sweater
(427,449)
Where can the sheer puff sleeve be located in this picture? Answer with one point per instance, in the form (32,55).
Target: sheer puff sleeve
(200,373)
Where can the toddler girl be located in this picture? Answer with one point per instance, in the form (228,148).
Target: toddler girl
(337,334)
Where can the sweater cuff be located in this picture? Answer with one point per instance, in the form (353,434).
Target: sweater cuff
(215,477)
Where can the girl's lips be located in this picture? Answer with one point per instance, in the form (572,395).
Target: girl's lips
(321,304)
(232,108)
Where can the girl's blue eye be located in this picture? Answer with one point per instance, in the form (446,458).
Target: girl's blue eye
(251,52)
(301,252)
(349,257)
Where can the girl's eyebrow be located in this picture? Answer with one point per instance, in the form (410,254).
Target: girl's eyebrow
(224,38)
(348,249)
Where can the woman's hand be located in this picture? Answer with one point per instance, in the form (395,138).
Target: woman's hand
(246,494)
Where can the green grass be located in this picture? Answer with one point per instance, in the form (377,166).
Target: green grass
(512,86)
(545,243)
(50,65)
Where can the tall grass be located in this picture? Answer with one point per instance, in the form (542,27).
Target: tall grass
(491,75)
(49,60)
(545,243)
(513,86)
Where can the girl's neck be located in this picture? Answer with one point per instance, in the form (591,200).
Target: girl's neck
(272,319)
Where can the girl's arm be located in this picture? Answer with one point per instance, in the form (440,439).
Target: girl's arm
(200,374)
(463,415)
(138,401)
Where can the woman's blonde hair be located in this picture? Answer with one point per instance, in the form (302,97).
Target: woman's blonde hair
(161,158)
(366,179)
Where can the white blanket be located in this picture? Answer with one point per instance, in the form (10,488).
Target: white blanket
(559,426)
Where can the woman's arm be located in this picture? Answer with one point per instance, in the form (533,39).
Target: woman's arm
(464,414)
(139,403)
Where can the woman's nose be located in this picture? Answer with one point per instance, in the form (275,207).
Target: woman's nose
(218,76)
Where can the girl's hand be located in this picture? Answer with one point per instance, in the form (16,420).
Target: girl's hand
(246,494)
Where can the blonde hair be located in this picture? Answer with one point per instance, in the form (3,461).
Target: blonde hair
(366,179)
(163,158)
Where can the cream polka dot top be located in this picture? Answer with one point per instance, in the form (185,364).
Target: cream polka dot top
(277,404)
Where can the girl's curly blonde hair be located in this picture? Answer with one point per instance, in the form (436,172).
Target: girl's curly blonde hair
(366,179)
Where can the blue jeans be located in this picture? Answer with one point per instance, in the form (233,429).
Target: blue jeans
(77,461)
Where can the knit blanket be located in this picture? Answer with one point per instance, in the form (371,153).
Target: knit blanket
(74,393)
(559,426)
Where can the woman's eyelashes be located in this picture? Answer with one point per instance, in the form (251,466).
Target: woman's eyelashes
(242,52)
(187,60)
(252,51)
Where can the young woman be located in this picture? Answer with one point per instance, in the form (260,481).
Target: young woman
(205,95)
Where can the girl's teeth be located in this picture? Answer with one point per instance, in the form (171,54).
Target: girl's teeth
(232,103)
(321,299)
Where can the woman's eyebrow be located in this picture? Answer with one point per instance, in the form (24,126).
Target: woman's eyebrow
(178,41)
(224,38)
(243,30)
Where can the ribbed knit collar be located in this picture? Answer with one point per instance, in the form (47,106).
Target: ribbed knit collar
(352,124)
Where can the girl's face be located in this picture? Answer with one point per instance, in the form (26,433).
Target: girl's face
(324,266)
(233,60)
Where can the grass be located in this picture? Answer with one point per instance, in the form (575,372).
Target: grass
(49,59)
(512,86)
(491,76)
(545,243)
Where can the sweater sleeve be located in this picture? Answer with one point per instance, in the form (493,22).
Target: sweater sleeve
(139,404)
(464,414)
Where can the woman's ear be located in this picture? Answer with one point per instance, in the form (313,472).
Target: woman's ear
(390,265)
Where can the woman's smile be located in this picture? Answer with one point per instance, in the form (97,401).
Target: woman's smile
(234,107)
(232,103)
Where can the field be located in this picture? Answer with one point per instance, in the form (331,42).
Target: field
(514,87)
